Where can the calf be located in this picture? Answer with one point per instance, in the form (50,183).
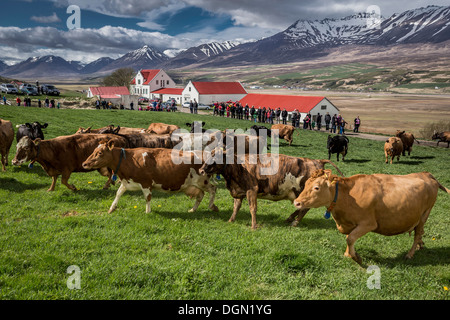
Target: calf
(407,140)
(63,155)
(244,179)
(442,136)
(261,130)
(338,145)
(33,131)
(162,128)
(381,203)
(152,169)
(393,147)
(285,131)
(6,140)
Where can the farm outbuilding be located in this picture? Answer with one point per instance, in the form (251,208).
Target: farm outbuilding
(303,104)
(168,93)
(210,92)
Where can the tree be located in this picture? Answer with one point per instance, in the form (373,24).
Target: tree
(120,77)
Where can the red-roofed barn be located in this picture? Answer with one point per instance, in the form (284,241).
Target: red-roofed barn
(303,104)
(210,92)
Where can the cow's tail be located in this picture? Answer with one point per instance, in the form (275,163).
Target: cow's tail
(440,185)
(298,131)
(416,140)
(335,166)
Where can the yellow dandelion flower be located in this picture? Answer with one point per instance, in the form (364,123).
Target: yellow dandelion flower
(135,207)
(434,238)
(89,181)
(445,288)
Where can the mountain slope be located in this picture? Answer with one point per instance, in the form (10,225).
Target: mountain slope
(46,66)
(145,57)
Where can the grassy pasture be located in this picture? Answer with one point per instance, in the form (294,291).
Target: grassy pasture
(173,254)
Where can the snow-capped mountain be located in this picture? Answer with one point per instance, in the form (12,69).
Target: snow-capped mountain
(3,66)
(306,39)
(145,57)
(96,65)
(197,54)
(47,66)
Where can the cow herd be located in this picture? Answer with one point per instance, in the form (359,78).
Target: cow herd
(149,159)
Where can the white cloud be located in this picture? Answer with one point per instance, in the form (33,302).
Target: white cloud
(46,19)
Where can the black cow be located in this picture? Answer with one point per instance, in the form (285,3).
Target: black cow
(337,144)
(33,131)
(197,126)
(260,128)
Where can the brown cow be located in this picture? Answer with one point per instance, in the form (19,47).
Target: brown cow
(63,155)
(442,136)
(393,147)
(271,178)
(407,140)
(6,140)
(162,128)
(381,203)
(285,131)
(153,169)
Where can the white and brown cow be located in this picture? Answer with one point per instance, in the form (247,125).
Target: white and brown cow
(149,169)
(271,177)
(380,203)
(6,140)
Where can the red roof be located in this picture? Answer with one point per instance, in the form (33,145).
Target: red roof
(148,75)
(219,88)
(303,104)
(176,91)
(109,91)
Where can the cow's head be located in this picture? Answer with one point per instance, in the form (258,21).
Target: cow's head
(36,128)
(109,129)
(83,130)
(26,150)
(319,190)
(436,135)
(399,133)
(101,157)
(214,163)
(330,142)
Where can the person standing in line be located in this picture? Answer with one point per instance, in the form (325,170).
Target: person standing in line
(18,101)
(284,115)
(39,103)
(333,124)
(327,121)
(195,107)
(191,106)
(319,121)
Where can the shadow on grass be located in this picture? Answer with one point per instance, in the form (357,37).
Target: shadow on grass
(356,160)
(410,163)
(422,158)
(423,257)
(37,169)
(12,184)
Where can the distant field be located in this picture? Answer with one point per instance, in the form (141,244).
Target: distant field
(172,254)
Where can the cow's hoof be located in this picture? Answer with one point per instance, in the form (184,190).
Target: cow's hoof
(294,223)
(215,208)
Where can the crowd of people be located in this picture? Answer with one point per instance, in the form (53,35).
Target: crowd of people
(27,102)
(235,110)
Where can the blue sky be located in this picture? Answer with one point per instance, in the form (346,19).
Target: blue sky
(115,27)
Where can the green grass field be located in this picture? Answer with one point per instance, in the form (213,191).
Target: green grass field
(173,254)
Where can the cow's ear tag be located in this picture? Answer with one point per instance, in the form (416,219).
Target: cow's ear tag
(327,215)
(114,177)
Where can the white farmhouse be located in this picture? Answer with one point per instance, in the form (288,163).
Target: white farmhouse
(210,92)
(149,80)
